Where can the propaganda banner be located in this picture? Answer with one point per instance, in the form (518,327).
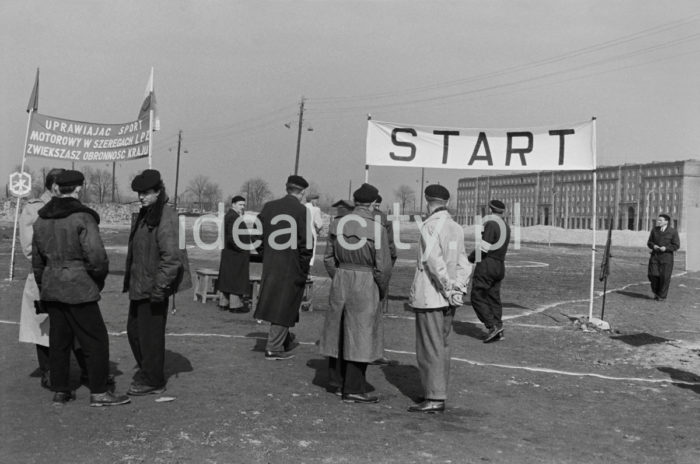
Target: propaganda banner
(568,147)
(56,138)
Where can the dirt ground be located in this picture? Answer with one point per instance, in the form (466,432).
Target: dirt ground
(549,393)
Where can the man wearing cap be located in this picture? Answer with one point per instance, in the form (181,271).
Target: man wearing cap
(440,280)
(663,242)
(342,208)
(285,257)
(358,260)
(70,266)
(155,269)
(489,272)
(234,268)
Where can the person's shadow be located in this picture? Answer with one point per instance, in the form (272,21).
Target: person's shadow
(406,379)
(634,294)
(175,363)
(260,341)
(469,329)
(683,376)
(322,375)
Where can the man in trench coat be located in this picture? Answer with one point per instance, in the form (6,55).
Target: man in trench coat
(234,268)
(359,262)
(663,242)
(286,251)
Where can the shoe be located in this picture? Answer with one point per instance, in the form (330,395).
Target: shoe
(494,334)
(384,361)
(63,397)
(359,398)
(85,380)
(277,355)
(139,389)
(108,399)
(428,406)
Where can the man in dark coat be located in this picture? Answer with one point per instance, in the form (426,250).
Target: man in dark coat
(663,242)
(155,269)
(286,253)
(358,260)
(70,267)
(234,268)
(342,208)
(489,272)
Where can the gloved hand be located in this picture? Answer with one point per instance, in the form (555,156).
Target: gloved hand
(455,298)
(485,246)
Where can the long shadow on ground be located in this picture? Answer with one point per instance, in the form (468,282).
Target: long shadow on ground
(405,378)
(469,329)
(684,376)
(175,363)
(634,295)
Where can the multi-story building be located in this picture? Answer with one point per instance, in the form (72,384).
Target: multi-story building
(631,195)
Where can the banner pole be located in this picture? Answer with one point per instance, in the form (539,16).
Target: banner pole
(14,226)
(150,125)
(369,118)
(594,219)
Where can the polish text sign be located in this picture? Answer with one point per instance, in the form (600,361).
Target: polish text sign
(570,147)
(64,139)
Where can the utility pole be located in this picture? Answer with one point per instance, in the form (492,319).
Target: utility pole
(177,168)
(420,190)
(114,169)
(301,120)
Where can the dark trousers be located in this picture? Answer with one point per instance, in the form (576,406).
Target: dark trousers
(660,270)
(349,376)
(42,356)
(486,292)
(145,329)
(84,322)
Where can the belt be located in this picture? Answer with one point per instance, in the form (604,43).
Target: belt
(356,267)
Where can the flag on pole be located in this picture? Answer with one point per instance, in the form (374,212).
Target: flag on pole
(33,104)
(605,265)
(149,103)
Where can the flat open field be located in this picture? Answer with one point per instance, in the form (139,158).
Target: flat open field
(549,393)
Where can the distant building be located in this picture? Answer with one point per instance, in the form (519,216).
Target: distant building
(632,195)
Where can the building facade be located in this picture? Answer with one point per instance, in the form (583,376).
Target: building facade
(631,195)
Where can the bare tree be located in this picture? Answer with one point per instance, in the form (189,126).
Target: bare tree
(405,194)
(256,192)
(198,186)
(212,194)
(98,183)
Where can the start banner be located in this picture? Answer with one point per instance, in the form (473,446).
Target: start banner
(570,147)
(68,140)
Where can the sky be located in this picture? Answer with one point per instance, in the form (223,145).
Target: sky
(230,74)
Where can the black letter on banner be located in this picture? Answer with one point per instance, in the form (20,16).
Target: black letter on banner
(561,133)
(446,142)
(520,151)
(481,140)
(398,143)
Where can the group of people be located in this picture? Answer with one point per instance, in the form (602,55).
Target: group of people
(60,310)
(70,265)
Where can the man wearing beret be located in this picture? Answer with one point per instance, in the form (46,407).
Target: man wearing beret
(234,267)
(70,266)
(489,272)
(285,257)
(359,262)
(342,208)
(155,269)
(440,280)
(663,242)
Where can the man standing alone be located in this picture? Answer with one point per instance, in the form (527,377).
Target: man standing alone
(663,242)
(490,271)
(285,256)
(234,268)
(440,281)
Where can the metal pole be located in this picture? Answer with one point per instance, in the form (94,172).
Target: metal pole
(420,190)
(114,169)
(593,229)
(177,166)
(301,120)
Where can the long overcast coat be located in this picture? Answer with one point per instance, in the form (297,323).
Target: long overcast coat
(234,268)
(360,279)
(285,269)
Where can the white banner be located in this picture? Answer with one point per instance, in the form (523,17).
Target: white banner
(570,147)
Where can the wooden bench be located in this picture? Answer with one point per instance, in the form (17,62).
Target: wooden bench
(205,284)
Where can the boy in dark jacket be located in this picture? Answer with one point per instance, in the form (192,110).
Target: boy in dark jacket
(70,267)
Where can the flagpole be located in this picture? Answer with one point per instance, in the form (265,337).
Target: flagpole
(369,118)
(595,195)
(150,124)
(14,227)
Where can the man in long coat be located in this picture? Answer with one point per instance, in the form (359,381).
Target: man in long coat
(441,277)
(359,262)
(234,268)
(663,242)
(285,257)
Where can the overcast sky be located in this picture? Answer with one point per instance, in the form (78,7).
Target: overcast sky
(230,74)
